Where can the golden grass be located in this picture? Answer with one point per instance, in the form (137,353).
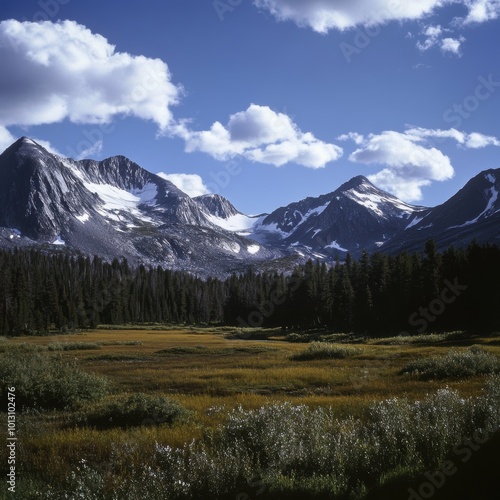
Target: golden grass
(216,377)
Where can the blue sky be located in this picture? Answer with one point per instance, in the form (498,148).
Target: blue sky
(265,102)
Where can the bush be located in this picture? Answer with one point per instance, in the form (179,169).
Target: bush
(72,346)
(455,364)
(281,449)
(47,382)
(132,411)
(325,350)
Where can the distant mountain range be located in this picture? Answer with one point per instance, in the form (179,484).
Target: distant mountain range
(115,208)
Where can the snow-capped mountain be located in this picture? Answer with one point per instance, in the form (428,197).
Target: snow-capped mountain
(354,217)
(221,212)
(115,208)
(472,213)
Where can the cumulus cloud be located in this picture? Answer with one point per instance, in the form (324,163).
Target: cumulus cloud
(325,15)
(481,11)
(62,70)
(191,184)
(261,135)
(474,140)
(352,136)
(434,37)
(410,165)
(452,45)
(477,141)
(411,159)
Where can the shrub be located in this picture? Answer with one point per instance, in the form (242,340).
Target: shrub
(455,364)
(282,450)
(72,346)
(132,411)
(325,350)
(47,382)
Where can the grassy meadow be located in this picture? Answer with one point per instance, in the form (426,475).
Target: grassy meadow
(211,413)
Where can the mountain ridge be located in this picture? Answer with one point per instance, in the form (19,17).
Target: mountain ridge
(116,208)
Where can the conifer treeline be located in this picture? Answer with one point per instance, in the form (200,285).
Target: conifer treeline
(457,289)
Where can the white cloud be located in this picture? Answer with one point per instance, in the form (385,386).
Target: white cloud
(476,141)
(351,136)
(432,34)
(452,45)
(434,37)
(191,184)
(62,70)
(325,15)
(411,165)
(411,159)
(260,134)
(481,11)
(420,134)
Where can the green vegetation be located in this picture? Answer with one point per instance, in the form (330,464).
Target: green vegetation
(46,383)
(72,346)
(131,411)
(202,416)
(283,449)
(455,364)
(324,350)
(374,295)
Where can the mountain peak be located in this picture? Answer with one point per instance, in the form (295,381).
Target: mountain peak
(216,205)
(356,182)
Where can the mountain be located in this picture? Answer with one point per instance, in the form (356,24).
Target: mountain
(221,213)
(472,213)
(354,217)
(114,208)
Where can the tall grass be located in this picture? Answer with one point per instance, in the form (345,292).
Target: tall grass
(132,410)
(284,449)
(455,364)
(325,350)
(45,382)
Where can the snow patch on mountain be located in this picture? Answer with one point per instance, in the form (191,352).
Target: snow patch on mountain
(336,246)
(83,218)
(235,223)
(491,202)
(119,200)
(58,241)
(253,249)
(376,202)
(414,222)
